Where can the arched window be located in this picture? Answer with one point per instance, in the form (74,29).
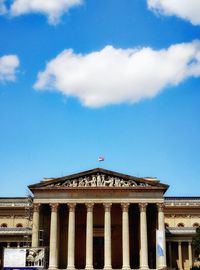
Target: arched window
(166,225)
(4,225)
(180,225)
(19,225)
(196,225)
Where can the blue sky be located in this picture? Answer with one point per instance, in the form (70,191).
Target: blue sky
(128,90)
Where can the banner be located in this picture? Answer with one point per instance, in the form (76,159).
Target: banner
(24,258)
(160,241)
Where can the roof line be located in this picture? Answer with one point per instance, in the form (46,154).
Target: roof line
(182,197)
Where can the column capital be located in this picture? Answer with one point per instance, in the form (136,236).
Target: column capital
(36,207)
(143,207)
(71,207)
(107,206)
(54,207)
(125,206)
(89,206)
(160,207)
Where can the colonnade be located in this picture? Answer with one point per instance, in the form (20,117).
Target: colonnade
(17,244)
(53,248)
(180,257)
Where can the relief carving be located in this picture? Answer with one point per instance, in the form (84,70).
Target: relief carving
(98,180)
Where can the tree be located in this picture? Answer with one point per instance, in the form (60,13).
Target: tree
(196,242)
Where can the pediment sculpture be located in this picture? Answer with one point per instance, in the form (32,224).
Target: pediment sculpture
(98,180)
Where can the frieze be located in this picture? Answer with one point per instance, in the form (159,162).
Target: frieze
(169,203)
(182,216)
(98,180)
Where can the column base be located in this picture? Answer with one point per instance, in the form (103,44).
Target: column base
(71,267)
(107,267)
(52,268)
(144,267)
(126,267)
(162,266)
(89,267)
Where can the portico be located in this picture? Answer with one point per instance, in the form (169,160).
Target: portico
(100,219)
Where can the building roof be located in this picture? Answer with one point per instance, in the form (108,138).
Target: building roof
(85,178)
(15,201)
(182,201)
(181,198)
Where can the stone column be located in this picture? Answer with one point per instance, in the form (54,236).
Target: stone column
(180,255)
(125,237)
(18,244)
(8,244)
(35,227)
(107,237)
(190,253)
(53,248)
(143,237)
(161,227)
(71,237)
(89,236)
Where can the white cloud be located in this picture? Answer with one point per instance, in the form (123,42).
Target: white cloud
(113,76)
(53,9)
(186,9)
(3,9)
(8,67)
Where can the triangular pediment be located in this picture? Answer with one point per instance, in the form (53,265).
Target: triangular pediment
(98,178)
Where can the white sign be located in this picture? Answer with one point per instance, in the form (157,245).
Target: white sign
(14,257)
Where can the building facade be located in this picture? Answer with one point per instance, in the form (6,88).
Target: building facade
(103,219)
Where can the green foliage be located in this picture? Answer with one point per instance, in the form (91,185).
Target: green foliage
(196,242)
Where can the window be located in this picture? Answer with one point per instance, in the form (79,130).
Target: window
(4,225)
(195,225)
(166,225)
(180,225)
(19,225)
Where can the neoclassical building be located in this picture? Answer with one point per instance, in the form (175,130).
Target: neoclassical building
(103,219)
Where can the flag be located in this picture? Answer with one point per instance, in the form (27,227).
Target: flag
(101,158)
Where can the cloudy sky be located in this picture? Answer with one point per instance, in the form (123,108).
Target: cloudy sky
(115,78)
